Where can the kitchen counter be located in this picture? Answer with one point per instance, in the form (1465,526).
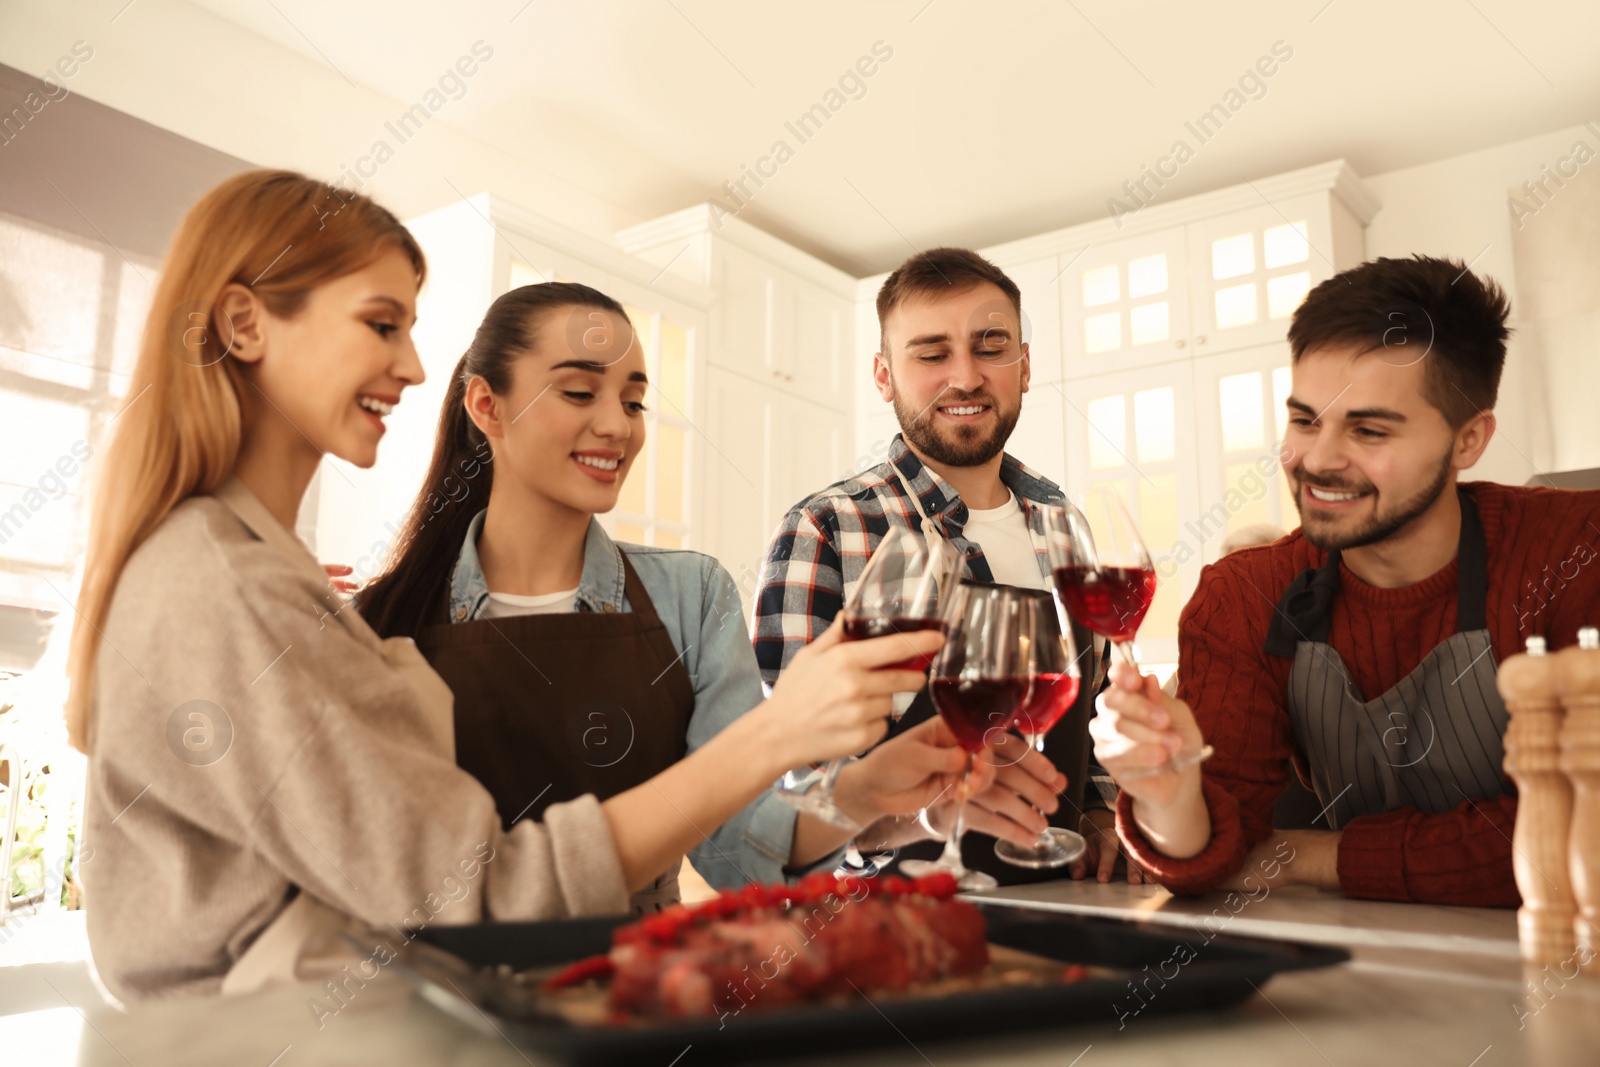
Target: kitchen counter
(1427,986)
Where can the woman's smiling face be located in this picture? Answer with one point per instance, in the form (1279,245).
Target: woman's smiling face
(572,423)
(333,370)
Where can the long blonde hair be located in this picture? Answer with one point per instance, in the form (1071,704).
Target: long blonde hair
(277,232)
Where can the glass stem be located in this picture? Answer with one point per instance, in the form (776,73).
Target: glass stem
(1037,741)
(830,777)
(1122,651)
(950,859)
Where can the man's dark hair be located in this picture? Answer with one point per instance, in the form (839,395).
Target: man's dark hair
(941,270)
(1403,308)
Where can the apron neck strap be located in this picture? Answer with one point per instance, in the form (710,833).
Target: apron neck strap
(930,530)
(1305,612)
(1472,568)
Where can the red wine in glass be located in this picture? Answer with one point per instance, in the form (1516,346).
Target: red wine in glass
(857,628)
(1052,697)
(1052,661)
(975,707)
(1109,584)
(1111,601)
(980,678)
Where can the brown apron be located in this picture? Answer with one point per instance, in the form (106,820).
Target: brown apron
(551,707)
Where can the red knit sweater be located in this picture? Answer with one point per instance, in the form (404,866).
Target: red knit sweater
(1544,578)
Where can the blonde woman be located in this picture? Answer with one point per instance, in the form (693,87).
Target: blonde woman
(264,770)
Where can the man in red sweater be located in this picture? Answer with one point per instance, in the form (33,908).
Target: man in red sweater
(1361,649)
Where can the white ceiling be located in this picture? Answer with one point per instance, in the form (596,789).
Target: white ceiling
(993,120)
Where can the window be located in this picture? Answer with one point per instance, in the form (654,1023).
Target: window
(71,314)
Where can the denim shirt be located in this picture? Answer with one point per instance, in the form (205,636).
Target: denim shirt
(699,605)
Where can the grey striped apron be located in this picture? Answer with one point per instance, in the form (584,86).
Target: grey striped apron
(1430,742)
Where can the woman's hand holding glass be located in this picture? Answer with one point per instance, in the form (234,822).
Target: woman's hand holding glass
(835,697)
(980,680)
(897,597)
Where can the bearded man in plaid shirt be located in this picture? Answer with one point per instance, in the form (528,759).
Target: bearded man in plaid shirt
(953,363)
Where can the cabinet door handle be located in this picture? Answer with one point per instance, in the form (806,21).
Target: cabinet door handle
(1200,340)
(1179,343)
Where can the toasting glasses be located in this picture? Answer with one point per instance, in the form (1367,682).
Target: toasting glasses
(980,680)
(1053,657)
(899,592)
(1107,584)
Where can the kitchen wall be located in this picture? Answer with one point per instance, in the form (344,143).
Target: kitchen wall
(1459,207)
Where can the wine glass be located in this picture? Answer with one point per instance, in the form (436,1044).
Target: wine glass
(899,592)
(1054,668)
(979,681)
(1108,584)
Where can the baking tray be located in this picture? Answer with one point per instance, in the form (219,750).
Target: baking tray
(455,969)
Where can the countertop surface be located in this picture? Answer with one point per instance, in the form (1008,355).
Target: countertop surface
(1426,986)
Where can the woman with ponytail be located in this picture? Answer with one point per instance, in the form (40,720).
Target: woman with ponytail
(266,771)
(580,666)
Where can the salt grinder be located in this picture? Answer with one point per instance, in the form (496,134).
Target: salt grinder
(1533,744)
(1578,684)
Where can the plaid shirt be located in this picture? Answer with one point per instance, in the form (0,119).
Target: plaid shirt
(822,545)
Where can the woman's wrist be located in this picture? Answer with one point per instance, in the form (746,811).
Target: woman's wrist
(853,795)
(892,832)
(761,741)
(1179,828)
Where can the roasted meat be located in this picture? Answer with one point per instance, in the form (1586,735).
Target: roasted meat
(766,946)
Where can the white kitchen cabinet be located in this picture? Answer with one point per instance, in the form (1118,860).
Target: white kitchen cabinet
(1250,269)
(1126,304)
(765,452)
(780,316)
(745,332)
(778,394)
(772,326)
(1190,278)
(815,344)
(1039,439)
(1041,313)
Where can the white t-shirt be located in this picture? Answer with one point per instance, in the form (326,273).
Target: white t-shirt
(502,605)
(1002,533)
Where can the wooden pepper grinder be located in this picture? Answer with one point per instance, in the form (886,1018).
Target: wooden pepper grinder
(1544,804)
(1578,683)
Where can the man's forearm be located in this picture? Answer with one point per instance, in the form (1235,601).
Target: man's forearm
(1291,857)
(1315,861)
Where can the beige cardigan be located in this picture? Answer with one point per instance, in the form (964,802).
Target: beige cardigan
(261,758)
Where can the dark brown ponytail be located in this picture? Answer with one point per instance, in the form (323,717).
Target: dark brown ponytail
(412,588)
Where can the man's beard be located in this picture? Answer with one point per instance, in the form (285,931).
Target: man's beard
(1383,524)
(972,447)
